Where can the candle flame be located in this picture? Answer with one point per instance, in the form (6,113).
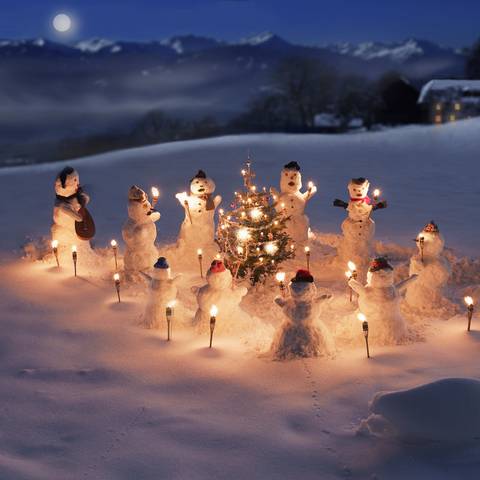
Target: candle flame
(376,192)
(213,311)
(74,248)
(310,185)
(54,243)
(155,192)
(116,277)
(280,276)
(361,317)
(468,300)
(351,266)
(113,243)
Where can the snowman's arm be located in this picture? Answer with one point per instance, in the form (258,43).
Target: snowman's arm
(340,203)
(176,279)
(356,286)
(154,215)
(280,301)
(195,289)
(148,277)
(274,193)
(68,210)
(217,200)
(182,198)
(401,286)
(241,291)
(309,193)
(85,198)
(379,205)
(322,298)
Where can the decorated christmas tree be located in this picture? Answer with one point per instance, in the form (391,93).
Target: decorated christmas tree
(252,236)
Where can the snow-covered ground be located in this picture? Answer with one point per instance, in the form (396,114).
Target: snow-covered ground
(86,393)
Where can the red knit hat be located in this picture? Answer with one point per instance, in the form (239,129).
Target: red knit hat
(379,263)
(217,266)
(302,276)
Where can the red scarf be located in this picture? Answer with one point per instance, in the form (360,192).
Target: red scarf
(364,199)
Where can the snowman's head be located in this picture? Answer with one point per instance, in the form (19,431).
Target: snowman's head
(200,184)
(161,269)
(380,273)
(219,277)
(290,178)
(67,182)
(302,287)
(433,241)
(358,187)
(139,208)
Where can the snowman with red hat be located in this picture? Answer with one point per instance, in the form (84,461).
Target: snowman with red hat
(162,293)
(291,202)
(139,233)
(302,334)
(380,299)
(432,268)
(219,291)
(358,228)
(197,229)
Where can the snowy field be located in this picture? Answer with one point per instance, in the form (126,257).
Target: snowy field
(88,394)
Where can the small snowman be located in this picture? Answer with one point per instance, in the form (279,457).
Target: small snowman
(139,233)
(69,213)
(358,228)
(379,300)
(219,291)
(432,268)
(163,293)
(197,230)
(292,202)
(302,334)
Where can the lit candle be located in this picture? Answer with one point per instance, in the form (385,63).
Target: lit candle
(74,258)
(307,254)
(169,316)
(213,319)
(200,257)
(364,321)
(280,276)
(114,245)
(55,251)
(470,305)
(376,194)
(155,195)
(116,279)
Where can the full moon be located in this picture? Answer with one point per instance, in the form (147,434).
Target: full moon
(62,22)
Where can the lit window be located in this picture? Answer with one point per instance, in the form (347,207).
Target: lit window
(438,119)
(438,106)
(452,118)
(458,106)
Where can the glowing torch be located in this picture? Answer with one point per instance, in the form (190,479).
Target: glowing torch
(74,258)
(213,319)
(116,279)
(470,306)
(364,321)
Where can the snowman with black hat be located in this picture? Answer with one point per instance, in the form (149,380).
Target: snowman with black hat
(69,212)
(162,293)
(139,233)
(432,268)
(380,299)
(291,202)
(197,230)
(302,334)
(358,228)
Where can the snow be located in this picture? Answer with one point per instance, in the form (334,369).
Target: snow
(258,39)
(86,392)
(446,84)
(94,45)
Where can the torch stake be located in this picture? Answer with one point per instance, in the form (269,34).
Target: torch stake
(115,257)
(200,257)
(365,334)
(74,256)
(308,260)
(469,316)
(117,287)
(169,321)
(55,252)
(212,328)
(422,244)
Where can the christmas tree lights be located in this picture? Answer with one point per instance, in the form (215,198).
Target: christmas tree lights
(252,236)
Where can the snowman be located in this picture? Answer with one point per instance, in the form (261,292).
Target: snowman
(432,268)
(358,228)
(219,291)
(163,293)
(69,213)
(291,202)
(197,230)
(139,233)
(379,300)
(302,334)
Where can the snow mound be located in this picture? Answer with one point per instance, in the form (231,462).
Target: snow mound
(445,411)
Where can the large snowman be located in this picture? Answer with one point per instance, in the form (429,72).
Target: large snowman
(292,202)
(162,293)
(432,268)
(139,233)
(219,291)
(197,230)
(67,211)
(379,300)
(358,228)
(302,334)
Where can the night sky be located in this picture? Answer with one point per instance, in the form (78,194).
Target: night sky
(453,23)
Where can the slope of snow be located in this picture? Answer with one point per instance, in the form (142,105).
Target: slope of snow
(86,393)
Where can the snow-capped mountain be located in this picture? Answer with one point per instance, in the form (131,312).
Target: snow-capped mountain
(185,44)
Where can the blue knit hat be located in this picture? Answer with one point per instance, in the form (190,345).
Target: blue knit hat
(162,263)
